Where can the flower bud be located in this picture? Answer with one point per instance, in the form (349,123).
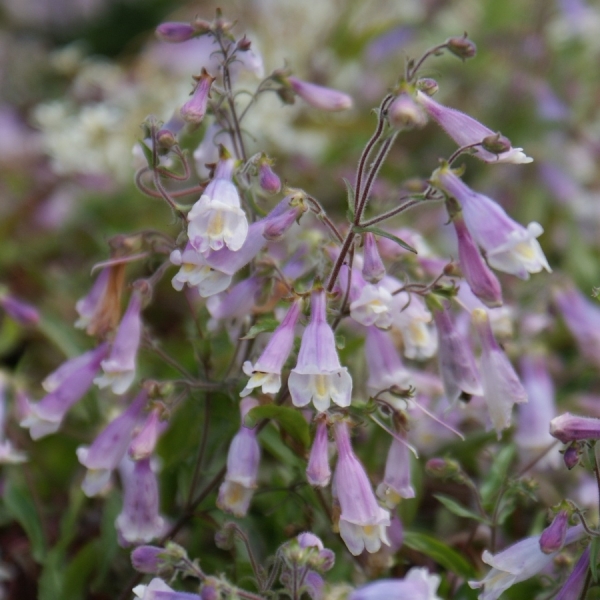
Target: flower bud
(319,96)
(496,144)
(318,471)
(428,86)
(444,468)
(175,32)
(145,559)
(194,109)
(277,226)
(267,178)
(569,428)
(405,113)
(571,456)
(462,47)
(373,268)
(553,537)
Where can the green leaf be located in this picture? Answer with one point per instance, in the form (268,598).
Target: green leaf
(147,151)
(290,419)
(459,510)
(386,234)
(350,197)
(594,551)
(497,475)
(264,325)
(440,552)
(20,505)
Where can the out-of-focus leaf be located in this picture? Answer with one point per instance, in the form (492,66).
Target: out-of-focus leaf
(264,325)
(290,419)
(79,571)
(497,475)
(594,552)
(440,552)
(457,509)
(107,545)
(20,505)
(386,234)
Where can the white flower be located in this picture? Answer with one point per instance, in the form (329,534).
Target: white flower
(372,307)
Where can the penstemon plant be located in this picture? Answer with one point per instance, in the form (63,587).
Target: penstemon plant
(334,375)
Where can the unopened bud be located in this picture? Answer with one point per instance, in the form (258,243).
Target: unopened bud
(146,559)
(405,113)
(462,47)
(244,44)
(571,456)
(267,178)
(444,468)
(428,86)
(194,109)
(553,537)
(175,32)
(496,144)
(569,428)
(320,97)
(373,267)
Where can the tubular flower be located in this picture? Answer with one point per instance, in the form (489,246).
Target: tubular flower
(109,447)
(67,386)
(363,522)
(319,96)
(501,386)
(465,130)
(456,361)
(243,460)
(372,307)
(396,482)
(318,376)
(318,471)
(119,367)
(418,584)
(266,372)
(509,246)
(517,563)
(217,220)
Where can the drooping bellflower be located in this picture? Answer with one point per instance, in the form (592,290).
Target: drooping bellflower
(363,522)
(266,371)
(509,246)
(320,97)
(46,416)
(243,460)
(216,220)
(501,386)
(318,471)
(119,367)
(318,375)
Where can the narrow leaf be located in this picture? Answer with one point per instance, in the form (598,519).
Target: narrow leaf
(20,505)
(497,475)
(264,325)
(458,509)
(386,234)
(290,419)
(350,195)
(444,555)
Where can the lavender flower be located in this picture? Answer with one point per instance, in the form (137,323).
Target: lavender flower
(418,584)
(318,375)
(396,482)
(194,109)
(569,428)
(405,113)
(509,247)
(119,367)
(483,283)
(517,563)
(243,460)
(139,521)
(20,311)
(267,178)
(534,417)
(144,441)
(109,447)
(373,307)
(466,131)
(146,559)
(216,219)
(572,588)
(456,361)
(373,268)
(266,371)
(553,537)
(320,97)
(501,386)
(363,522)
(157,589)
(46,416)
(175,32)
(582,317)
(318,471)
